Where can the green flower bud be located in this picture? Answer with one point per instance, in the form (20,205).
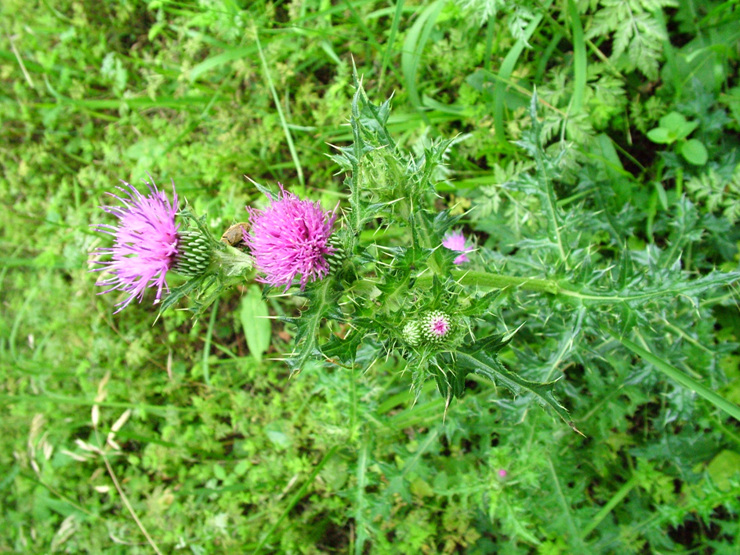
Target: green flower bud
(412,333)
(436,327)
(194,256)
(336,258)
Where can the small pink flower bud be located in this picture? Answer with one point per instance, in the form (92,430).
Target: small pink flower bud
(436,326)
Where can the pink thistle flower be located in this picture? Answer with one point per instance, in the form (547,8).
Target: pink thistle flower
(439,326)
(436,326)
(456,242)
(146,243)
(290,237)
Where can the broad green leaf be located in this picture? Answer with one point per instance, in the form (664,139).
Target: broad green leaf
(723,467)
(254,318)
(661,136)
(694,152)
(677,125)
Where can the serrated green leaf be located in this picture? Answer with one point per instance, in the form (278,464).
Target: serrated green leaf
(343,349)
(201,283)
(488,365)
(322,299)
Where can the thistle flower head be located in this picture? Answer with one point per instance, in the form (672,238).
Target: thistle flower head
(290,237)
(146,242)
(436,326)
(411,333)
(456,242)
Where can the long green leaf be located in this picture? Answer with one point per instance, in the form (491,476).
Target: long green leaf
(281,115)
(413,48)
(504,75)
(219,60)
(579,58)
(391,41)
(489,367)
(254,319)
(678,376)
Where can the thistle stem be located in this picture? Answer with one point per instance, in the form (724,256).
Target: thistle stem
(497,281)
(562,288)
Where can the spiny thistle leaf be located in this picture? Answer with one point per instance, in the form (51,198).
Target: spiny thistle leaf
(672,286)
(479,305)
(487,364)
(176,293)
(323,298)
(344,349)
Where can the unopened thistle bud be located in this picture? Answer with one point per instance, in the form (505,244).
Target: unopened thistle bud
(436,327)
(412,333)
(194,254)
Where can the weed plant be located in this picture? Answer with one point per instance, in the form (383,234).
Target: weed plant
(586,150)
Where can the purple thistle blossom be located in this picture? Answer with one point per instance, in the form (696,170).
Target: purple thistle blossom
(146,243)
(438,325)
(290,237)
(456,242)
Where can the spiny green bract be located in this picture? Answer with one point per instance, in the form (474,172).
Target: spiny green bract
(196,254)
(411,333)
(437,327)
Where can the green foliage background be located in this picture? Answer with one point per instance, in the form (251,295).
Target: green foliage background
(221,452)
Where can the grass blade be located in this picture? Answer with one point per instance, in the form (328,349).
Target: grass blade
(413,47)
(504,75)
(391,40)
(609,507)
(281,115)
(579,58)
(207,346)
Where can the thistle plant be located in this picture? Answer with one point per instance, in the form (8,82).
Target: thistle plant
(405,299)
(423,300)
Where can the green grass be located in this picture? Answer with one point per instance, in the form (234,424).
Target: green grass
(224,450)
